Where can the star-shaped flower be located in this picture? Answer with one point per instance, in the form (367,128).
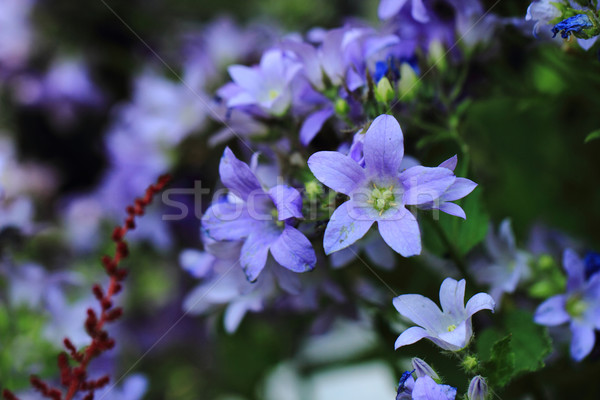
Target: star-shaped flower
(449,328)
(580,306)
(378,192)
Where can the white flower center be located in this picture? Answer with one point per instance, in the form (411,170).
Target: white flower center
(382,198)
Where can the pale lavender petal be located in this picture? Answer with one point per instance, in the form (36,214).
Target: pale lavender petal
(272,64)
(389,8)
(552,312)
(238,176)
(241,99)
(418,11)
(420,310)
(197,263)
(587,44)
(313,124)
(481,301)
(401,233)
(235,312)
(507,236)
(247,78)
(287,200)
(452,297)
(354,80)
(384,146)
(459,189)
(344,228)
(410,336)
(426,389)
(380,254)
(337,171)
(331,55)
(450,163)
(255,251)
(293,250)
(457,338)
(288,280)
(227,221)
(453,209)
(425,185)
(582,341)
(310,60)
(343,257)
(575,270)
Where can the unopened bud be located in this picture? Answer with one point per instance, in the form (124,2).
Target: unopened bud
(437,55)
(478,389)
(409,82)
(423,369)
(341,106)
(384,93)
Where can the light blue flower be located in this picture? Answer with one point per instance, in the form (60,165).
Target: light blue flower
(449,328)
(580,306)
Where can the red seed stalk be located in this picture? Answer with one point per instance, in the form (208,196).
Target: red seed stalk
(73,378)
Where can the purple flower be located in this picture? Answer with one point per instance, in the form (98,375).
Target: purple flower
(459,189)
(389,8)
(573,25)
(542,12)
(427,389)
(580,306)
(379,191)
(449,328)
(506,265)
(266,85)
(263,220)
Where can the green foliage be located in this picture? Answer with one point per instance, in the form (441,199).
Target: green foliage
(523,349)
(592,136)
(461,235)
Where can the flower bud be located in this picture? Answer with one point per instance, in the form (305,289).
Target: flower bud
(478,389)
(423,369)
(341,106)
(384,93)
(437,55)
(408,83)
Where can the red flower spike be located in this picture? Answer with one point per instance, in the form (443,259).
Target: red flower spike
(74,377)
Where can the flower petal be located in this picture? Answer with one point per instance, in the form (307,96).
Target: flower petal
(481,301)
(575,270)
(418,11)
(235,312)
(238,176)
(426,389)
(287,200)
(313,124)
(453,209)
(425,184)
(247,78)
(457,338)
(389,8)
(401,233)
(552,311)
(255,251)
(344,228)
(293,250)
(197,263)
(459,189)
(384,147)
(381,255)
(450,163)
(582,341)
(227,221)
(420,310)
(452,297)
(337,171)
(410,336)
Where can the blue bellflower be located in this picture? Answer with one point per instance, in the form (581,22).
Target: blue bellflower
(262,219)
(573,25)
(580,306)
(378,192)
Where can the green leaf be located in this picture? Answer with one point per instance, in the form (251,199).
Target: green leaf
(526,346)
(592,136)
(499,369)
(531,342)
(466,234)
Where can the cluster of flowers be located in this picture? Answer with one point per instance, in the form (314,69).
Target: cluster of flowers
(305,199)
